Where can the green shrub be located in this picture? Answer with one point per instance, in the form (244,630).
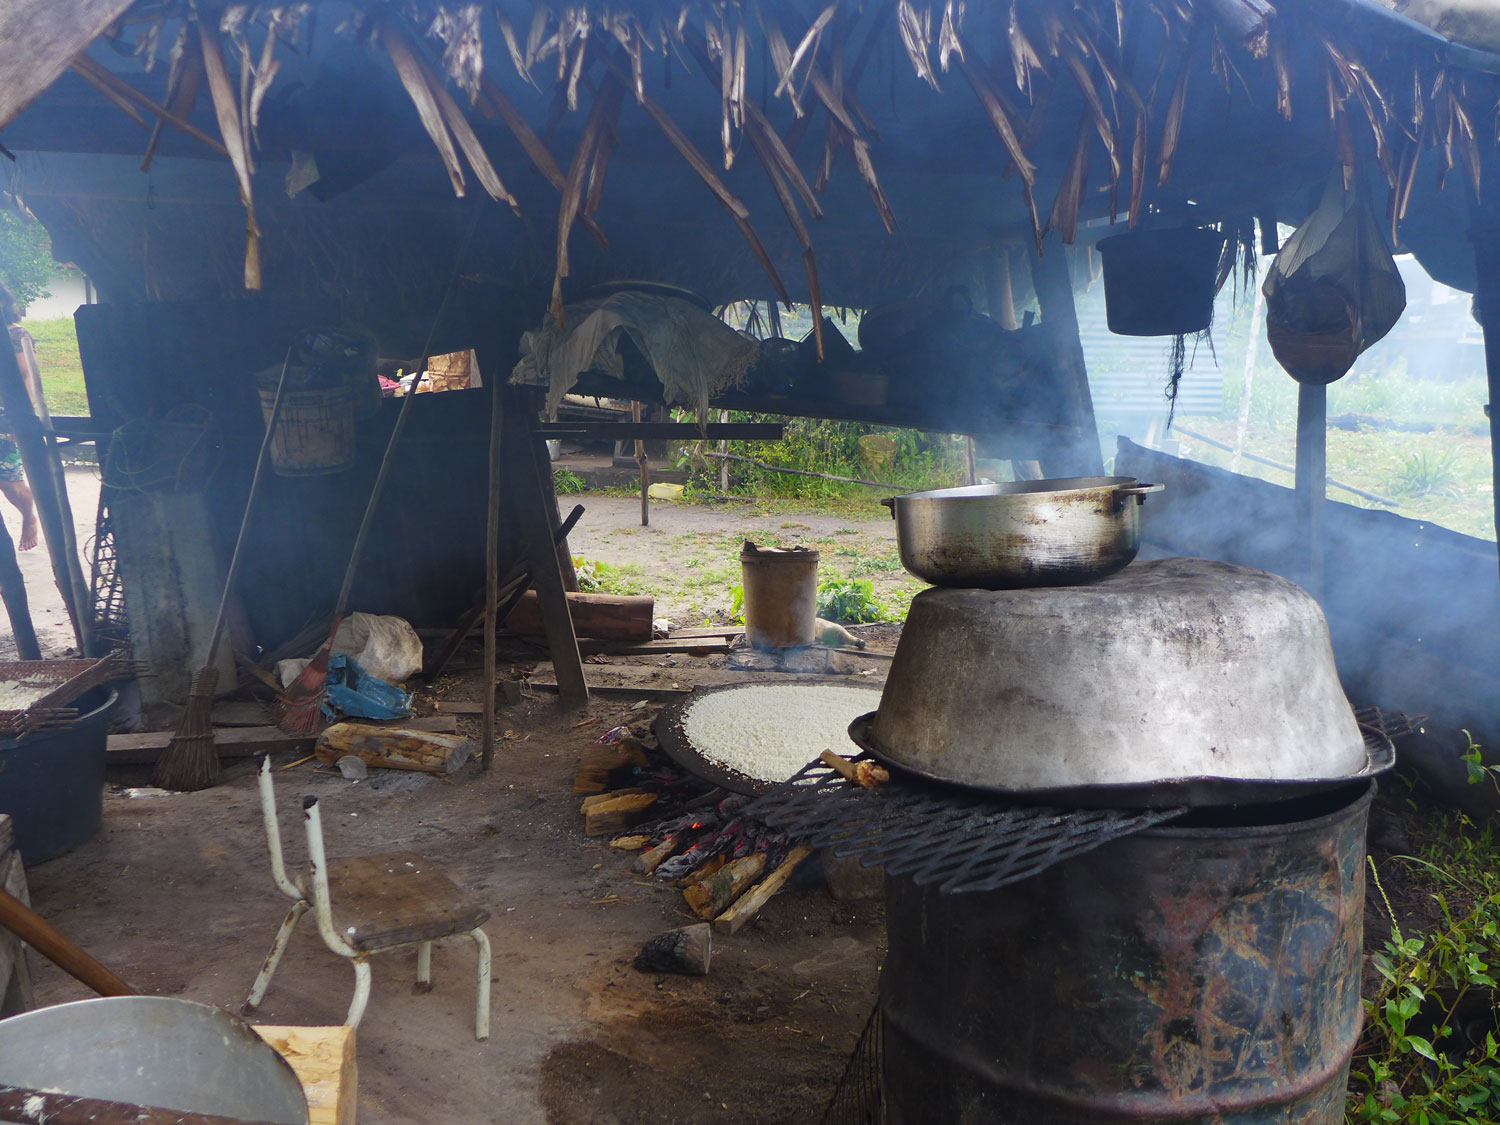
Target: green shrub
(850,600)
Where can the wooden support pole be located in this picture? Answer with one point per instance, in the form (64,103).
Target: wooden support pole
(1053,281)
(1486,239)
(1312,479)
(645,470)
(536,530)
(13,593)
(491,573)
(554,517)
(44,475)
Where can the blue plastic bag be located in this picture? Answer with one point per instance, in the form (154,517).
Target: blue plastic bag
(353,692)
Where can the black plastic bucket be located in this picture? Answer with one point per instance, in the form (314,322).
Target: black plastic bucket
(1160,282)
(52,781)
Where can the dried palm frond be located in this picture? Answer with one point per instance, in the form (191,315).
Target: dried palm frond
(916,33)
(731,202)
(107,84)
(1247,22)
(512,45)
(235,141)
(1023,56)
(1065,208)
(948,41)
(184,80)
(606,102)
(457,28)
(1172,125)
(998,117)
(806,48)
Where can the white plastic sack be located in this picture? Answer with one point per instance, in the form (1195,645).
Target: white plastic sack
(387,648)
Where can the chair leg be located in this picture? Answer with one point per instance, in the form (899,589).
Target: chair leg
(278,947)
(424,967)
(361,992)
(482,1010)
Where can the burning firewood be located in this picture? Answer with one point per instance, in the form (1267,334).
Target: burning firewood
(742,911)
(711,897)
(686,951)
(649,860)
(865,774)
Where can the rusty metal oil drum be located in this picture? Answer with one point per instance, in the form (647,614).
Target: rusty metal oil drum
(1203,972)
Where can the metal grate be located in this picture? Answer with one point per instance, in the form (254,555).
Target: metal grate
(957,840)
(859,1098)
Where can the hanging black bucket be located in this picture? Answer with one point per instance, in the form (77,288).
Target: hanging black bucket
(1160,282)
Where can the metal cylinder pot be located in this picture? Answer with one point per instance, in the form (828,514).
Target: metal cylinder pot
(1205,973)
(1056,532)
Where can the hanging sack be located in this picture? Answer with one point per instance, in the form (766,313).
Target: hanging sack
(1334,289)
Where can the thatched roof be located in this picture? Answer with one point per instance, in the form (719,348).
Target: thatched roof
(848,147)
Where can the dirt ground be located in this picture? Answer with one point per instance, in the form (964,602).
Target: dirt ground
(175,895)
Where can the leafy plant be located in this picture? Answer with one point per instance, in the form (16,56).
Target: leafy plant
(598,577)
(737,605)
(849,600)
(1425,473)
(26,263)
(566,481)
(1429,1055)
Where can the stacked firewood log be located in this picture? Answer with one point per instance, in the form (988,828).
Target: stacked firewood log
(683,831)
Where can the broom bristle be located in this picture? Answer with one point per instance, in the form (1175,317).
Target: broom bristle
(191,760)
(297,716)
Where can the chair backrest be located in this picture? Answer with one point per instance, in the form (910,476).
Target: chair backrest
(273,831)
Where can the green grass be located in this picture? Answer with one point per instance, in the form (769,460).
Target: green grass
(62,371)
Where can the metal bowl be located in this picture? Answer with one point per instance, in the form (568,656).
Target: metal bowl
(1171,669)
(152,1051)
(1058,532)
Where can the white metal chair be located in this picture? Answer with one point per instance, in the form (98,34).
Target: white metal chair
(384,902)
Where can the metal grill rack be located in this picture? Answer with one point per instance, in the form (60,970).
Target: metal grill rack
(960,841)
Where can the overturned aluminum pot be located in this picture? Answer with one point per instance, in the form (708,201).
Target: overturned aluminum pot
(1059,532)
(1170,672)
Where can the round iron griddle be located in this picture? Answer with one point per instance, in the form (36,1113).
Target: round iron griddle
(1380,757)
(675,744)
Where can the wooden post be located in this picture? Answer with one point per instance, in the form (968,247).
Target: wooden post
(492,572)
(13,593)
(554,518)
(644,467)
(1252,349)
(1486,239)
(546,574)
(1054,291)
(1312,478)
(44,475)
(997,285)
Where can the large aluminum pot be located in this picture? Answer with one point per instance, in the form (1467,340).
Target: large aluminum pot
(1140,688)
(1059,532)
(152,1051)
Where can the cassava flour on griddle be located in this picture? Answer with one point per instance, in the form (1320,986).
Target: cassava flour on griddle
(770,731)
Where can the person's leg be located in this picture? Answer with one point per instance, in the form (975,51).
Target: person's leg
(15,489)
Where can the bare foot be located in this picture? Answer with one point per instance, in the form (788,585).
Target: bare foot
(28,532)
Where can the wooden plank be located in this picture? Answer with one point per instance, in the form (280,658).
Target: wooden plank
(702,646)
(240,713)
(618,691)
(234,742)
(600,617)
(323,1060)
(664,431)
(707,631)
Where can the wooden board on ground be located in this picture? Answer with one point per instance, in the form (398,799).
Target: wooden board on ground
(691,646)
(323,1060)
(617,691)
(232,742)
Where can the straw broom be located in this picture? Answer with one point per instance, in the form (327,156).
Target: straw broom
(191,760)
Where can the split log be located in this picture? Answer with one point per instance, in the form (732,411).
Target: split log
(713,895)
(731,921)
(615,812)
(602,617)
(323,1060)
(395,748)
(630,843)
(707,868)
(650,859)
(687,951)
(596,763)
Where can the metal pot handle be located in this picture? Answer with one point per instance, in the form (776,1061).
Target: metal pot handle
(1139,491)
(890,502)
